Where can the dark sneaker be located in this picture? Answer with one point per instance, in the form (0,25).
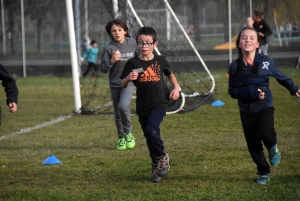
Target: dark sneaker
(163,165)
(121,144)
(274,155)
(130,140)
(263,179)
(155,178)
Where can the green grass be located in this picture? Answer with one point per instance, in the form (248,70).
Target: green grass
(209,157)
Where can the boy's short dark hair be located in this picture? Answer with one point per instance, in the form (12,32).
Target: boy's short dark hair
(148,31)
(93,42)
(258,13)
(118,22)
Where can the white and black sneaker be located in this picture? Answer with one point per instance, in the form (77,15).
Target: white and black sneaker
(155,178)
(163,165)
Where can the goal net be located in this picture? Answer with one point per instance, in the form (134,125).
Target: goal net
(194,78)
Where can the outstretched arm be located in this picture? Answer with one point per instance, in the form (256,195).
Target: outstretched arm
(174,95)
(284,80)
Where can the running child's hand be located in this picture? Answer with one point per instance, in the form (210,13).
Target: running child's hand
(12,107)
(298,93)
(261,94)
(174,95)
(133,75)
(116,56)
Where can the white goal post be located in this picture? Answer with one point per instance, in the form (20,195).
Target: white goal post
(74,58)
(175,44)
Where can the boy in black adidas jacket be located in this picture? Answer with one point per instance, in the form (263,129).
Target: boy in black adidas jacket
(249,84)
(146,71)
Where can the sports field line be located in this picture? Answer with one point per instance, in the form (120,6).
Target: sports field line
(29,129)
(59,119)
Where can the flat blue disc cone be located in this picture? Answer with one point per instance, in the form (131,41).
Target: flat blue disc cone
(51,160)
(218,103)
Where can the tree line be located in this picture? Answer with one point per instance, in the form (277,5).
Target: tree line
(52,13)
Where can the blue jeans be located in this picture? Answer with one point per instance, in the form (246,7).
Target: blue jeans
(150,126)
(121,98)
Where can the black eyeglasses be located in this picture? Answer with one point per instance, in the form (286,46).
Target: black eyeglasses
(146,44)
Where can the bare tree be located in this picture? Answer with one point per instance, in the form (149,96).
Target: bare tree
(56,22)
(224,8)
(196,19)
(287,10)
(38,11)
(13,8)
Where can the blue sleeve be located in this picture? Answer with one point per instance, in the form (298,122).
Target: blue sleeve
(231,71)
(283,79)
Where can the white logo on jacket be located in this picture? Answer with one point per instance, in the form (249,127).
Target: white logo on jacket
(265,65)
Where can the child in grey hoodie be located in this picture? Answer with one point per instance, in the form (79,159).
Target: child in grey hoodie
(113,59)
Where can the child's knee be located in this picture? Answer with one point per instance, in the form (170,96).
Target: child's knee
(151,131)
(123,106)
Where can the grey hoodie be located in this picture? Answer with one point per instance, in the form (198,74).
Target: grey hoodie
(127,50)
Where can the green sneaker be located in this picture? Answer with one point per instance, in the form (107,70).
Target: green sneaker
(130,140)
(121,144)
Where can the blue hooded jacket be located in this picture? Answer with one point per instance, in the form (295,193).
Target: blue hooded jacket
(91,54)
(246,91)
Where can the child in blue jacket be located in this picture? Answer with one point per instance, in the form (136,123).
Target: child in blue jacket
(249,84)
(91,54)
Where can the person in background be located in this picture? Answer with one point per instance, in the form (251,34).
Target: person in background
(91,54)
(113,58)
(249,84)
(263,29)
(249,22)
(294,29)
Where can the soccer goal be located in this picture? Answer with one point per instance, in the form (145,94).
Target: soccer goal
(194,78)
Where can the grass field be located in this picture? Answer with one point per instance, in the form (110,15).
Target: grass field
(208,154)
